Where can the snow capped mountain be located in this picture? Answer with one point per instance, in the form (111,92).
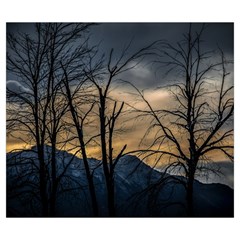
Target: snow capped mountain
(139,189)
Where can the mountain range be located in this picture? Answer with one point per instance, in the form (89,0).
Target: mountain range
(140,191)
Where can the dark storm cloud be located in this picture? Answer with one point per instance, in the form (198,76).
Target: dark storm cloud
(20,28)
(118,35)
(221,34)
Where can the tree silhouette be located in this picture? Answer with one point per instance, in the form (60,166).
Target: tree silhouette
(200,123)
(79,117)
(99,75)
(61,99)
(36,109)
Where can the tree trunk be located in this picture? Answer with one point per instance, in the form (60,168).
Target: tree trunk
(89,175)
(52,211)
(43,184)
(54,179)
(190,203)
(111,200)
(83,149)
(108,176)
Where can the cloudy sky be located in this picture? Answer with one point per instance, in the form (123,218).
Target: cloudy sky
(118,36)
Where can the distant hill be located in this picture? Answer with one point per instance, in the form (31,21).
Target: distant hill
(140,191)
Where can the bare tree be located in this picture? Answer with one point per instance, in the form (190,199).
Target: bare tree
(200,122)
(33,109)
(54,80)
(109,109)
(74,98)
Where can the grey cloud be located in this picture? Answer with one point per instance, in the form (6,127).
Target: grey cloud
(226,175)
(118,35)
(16,87)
